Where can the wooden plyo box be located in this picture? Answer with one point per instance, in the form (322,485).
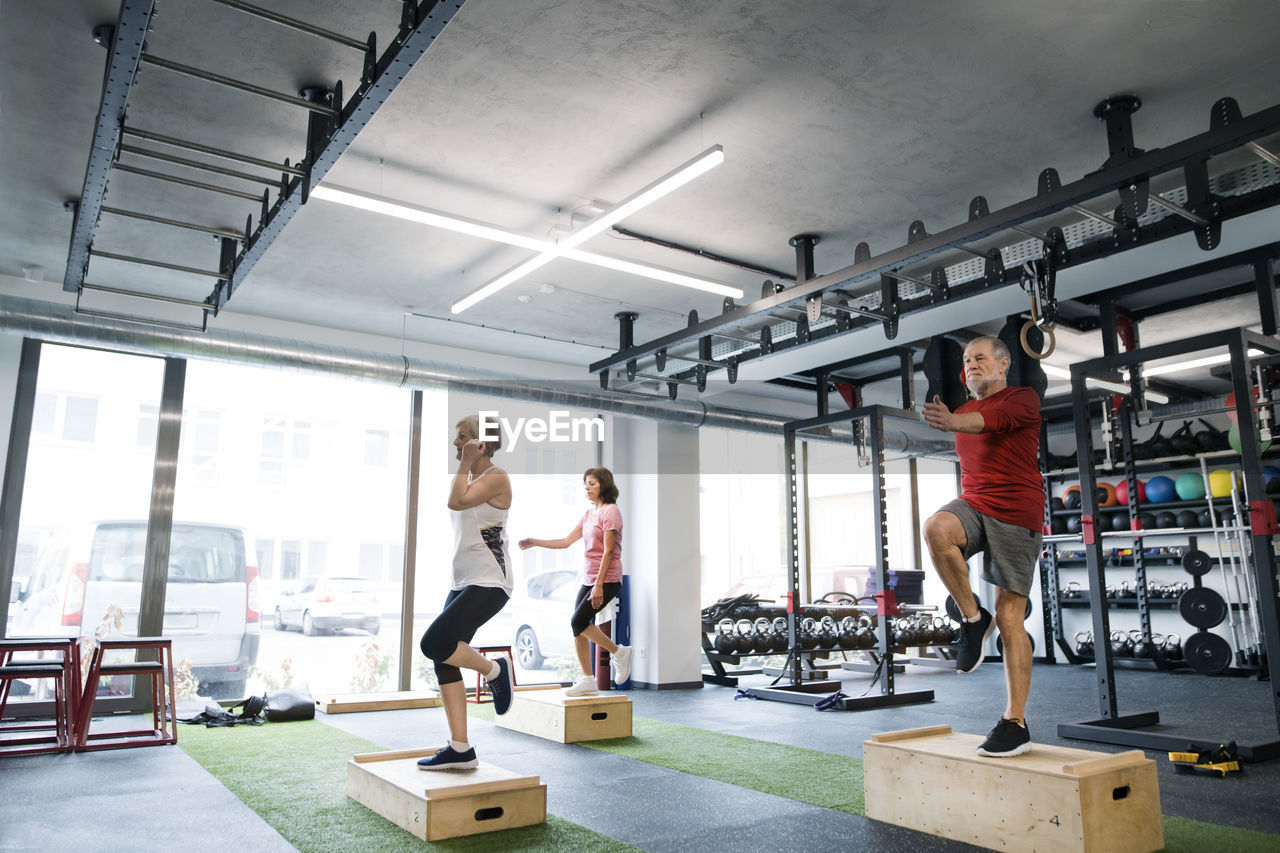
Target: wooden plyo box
(345,703)
(1049,799)
(568,719)
(444,803)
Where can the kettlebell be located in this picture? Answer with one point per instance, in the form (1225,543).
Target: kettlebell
(1121,646)
(1084,643)
(1173,647)
(866,639)
(764,636)
(1141,645)
(848,633)
(779,643)
(828,636)
(808,634)
(726,643)
(746,636)
(941,630)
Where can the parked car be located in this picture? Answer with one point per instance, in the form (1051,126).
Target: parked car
(211,609)
(540,614)
(313,605)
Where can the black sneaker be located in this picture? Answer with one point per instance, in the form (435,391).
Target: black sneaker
(450,759)
(1006,739)
(500,687)
(970,648)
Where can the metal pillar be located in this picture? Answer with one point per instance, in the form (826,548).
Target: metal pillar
(407,645)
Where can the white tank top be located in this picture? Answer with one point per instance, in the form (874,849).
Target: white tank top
(480,548)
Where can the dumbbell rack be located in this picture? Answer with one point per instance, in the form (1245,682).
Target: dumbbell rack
(1127,730)
(867,432)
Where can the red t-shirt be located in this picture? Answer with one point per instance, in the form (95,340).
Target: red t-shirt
(1000,466)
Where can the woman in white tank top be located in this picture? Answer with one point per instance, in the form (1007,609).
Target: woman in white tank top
(479,498)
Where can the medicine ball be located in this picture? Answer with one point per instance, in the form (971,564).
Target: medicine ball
(1233,439)
(1160,489)
(1122,492)
(1107,496)
(1270,473)
(1071,498)
(1189,487)
(1119,520)
(1165,520)
(1056,504)
(1102,522)
(1059,526)
(1273,486)
(1188,518)
(1205,518)
(1148,520)
(1220,483)
(1073,524)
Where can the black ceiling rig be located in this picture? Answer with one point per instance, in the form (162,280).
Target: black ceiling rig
(332,127)
(827,299)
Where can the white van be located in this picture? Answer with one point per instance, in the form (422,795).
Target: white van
(211,607)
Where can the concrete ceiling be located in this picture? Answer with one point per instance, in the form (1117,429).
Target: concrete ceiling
(843,119)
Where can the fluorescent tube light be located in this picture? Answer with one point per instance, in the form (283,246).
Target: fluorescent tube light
(1152,396)
(550,249)
(705,161)
(1207,361)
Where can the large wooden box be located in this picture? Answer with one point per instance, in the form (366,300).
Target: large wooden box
(345,703)
(444,803)
(1049,799)
(552,715)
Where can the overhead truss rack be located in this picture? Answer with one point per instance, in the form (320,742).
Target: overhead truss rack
(332,127)
(911,278)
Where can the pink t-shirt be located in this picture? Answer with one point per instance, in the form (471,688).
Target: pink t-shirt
(594,523)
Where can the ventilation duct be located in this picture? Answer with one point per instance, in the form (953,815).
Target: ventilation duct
(60,324)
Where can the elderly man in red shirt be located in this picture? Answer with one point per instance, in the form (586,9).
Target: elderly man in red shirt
(999,513)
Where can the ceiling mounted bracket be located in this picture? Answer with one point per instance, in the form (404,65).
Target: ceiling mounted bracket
(1118,112)
(124,43)
(889,305)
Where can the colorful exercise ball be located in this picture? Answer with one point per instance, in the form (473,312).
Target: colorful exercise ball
(1122,492)
(1190,487)
(1233,439)
(1108,496)
(1071,497)
(1221,482)
(1160,489)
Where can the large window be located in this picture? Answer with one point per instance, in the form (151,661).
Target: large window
(87,476)
(743,513)
(278,456)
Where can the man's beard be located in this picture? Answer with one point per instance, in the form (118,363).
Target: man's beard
(979,387)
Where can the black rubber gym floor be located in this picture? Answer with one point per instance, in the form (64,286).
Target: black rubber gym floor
(128,798)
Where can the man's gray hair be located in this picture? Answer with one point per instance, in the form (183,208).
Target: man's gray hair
(998,348)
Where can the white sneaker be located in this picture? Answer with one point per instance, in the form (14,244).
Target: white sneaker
(622,664)
(584,686)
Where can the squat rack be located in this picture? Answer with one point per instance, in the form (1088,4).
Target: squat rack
(1126,730)
(867,428)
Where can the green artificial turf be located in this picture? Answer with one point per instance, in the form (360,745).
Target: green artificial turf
(294,775)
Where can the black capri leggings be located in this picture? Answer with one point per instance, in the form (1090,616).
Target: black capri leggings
(465,610)
(583,612)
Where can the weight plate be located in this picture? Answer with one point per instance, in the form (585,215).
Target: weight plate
(1207,653)
(1197,563)
(1000,644)
(1202,607)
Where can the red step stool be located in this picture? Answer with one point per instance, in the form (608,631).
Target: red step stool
(481,690)
(65,672)
(164,729)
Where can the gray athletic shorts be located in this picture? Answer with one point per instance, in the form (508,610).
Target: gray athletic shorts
(1009,552)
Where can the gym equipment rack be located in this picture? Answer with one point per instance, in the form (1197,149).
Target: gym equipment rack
(867,429)
(1126,730)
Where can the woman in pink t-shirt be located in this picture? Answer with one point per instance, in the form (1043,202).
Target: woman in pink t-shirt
(601,530)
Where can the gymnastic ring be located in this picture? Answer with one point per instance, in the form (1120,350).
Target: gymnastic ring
(1048,331)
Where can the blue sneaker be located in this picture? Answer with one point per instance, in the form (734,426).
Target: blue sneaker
(450,759)
(500,687)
